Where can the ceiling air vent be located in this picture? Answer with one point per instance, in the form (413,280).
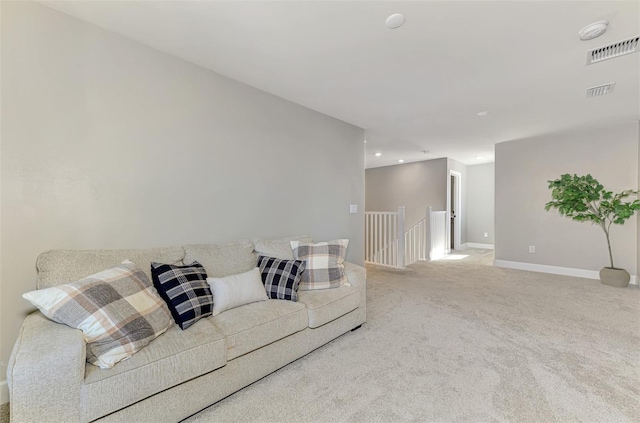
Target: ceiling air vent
(600,90)
(620,48)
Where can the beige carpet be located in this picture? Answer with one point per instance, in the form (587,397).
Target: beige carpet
(460,340)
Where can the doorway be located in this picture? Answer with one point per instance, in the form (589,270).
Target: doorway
(454,210)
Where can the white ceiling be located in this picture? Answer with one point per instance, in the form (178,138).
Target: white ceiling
(416,88)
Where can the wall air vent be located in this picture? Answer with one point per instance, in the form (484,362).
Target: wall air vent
(620,48)
(600,90)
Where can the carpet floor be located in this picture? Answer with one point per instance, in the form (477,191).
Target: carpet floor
(461,340)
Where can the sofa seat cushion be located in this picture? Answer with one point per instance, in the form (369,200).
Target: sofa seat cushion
(326,305)
(172,358)
(255,325)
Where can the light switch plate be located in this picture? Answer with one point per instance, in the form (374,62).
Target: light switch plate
(353,208)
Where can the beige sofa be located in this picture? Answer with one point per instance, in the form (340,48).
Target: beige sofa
(181,372)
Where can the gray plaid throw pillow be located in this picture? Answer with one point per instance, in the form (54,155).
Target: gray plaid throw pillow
(117,310)
(324,263)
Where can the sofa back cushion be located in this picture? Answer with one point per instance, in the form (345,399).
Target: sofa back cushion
(278,248)
(57,267)
(220,260)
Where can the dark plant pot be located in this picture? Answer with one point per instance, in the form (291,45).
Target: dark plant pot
(614,277)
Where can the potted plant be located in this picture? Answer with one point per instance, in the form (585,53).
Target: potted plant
(584,199)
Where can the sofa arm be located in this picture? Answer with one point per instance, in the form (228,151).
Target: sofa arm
(357,277)
(46,372)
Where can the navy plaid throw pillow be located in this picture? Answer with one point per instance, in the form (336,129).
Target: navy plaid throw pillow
(280,277)
(185,290)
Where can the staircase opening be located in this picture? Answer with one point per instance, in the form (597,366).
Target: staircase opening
(388,244)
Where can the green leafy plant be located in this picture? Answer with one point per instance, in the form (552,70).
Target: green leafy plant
(584,199)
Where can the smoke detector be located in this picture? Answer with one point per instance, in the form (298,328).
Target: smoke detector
(600,89)
(593,30)
(610,51)
(395,21)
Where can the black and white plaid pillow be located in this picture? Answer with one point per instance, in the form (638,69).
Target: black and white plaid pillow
(185,290)
(280,277)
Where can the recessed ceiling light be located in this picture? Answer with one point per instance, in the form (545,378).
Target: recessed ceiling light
(401,161)
(365,141)
(378,154)
(395,21)
(593,30)
(482,113)
(478,157)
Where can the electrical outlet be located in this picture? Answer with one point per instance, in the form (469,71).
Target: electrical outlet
(486,234)
(532,248)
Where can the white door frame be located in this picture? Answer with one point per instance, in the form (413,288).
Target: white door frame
(457,200)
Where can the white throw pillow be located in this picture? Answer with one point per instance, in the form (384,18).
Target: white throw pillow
(236,290)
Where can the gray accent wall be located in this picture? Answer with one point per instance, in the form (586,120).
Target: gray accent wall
(480,203)
(415,185)
(107,143)
(522,170)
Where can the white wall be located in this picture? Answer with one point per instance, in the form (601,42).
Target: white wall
(522,170)
(107,143)
(415,185)
(480,203)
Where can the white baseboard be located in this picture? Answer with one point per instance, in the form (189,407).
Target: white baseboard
(556,270)
(477,245)
(4,392)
